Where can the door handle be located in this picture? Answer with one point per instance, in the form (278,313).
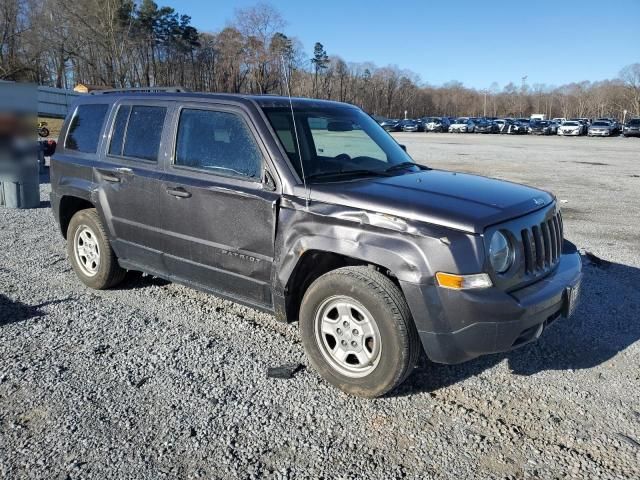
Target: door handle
(110,178)
(123,170)
(178,192)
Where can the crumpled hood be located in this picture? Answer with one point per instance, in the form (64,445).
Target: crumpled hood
(456,200)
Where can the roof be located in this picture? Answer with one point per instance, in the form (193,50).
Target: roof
(264,101)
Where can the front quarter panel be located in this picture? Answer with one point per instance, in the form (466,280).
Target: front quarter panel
(411,252)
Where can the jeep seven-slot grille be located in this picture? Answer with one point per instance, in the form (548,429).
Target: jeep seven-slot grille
(542,245)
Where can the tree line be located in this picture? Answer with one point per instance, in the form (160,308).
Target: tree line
(122,43)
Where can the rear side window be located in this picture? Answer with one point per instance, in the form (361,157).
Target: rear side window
(119,129)
(219,142)
(137,131)
(84,131)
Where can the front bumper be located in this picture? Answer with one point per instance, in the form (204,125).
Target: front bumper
(459,325)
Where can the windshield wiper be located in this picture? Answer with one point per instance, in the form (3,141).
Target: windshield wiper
(400,166)
(346,173)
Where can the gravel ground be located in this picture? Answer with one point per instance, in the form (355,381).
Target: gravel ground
(154,380)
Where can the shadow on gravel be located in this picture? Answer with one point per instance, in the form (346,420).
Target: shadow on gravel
(605,324)
(12,311)
(138,280)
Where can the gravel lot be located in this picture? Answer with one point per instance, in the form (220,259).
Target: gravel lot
(154,380)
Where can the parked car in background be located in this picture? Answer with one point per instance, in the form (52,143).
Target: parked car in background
(409,126)
(486,126)
(525,122)
(510,126)
(559,120)
(436,124)
(462,125)
(583,123)
(553,127)
(632,128)
(616,128)
(601,128)
(391,125)
(420,123)
(571,128)
(540,127)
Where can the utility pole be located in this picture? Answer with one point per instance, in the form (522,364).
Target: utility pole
(524,86)
(485,103)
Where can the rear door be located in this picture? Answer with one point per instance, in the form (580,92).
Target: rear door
(130,183)
(219,214)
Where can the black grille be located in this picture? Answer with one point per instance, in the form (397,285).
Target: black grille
(542,245)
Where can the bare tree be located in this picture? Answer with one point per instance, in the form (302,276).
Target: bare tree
(630,75)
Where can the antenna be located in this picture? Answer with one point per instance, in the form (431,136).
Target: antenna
(295,131)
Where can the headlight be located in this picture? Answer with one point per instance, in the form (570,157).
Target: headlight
(500,253)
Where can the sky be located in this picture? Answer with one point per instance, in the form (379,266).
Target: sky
(552,42)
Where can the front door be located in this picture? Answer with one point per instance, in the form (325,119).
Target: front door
(219,220)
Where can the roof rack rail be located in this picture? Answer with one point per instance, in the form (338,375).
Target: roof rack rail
(141,90)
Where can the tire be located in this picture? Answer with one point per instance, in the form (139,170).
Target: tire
(365,298)
(90,253)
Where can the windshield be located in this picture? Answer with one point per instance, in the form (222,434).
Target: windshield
(337,142)
(634,122)
(571,124)
(600,124)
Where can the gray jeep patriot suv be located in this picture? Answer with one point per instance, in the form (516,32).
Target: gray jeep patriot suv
(309,210)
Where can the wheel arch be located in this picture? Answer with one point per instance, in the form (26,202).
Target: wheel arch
(69,206)
(310,257)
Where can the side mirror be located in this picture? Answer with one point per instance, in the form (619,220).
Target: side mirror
(268,182)
(404,147)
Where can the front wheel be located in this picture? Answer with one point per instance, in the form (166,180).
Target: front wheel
(357,331)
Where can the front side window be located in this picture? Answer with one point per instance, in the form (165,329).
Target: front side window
(218,142)
(84,131)
(336,143)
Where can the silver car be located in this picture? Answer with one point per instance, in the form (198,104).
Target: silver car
(601,128)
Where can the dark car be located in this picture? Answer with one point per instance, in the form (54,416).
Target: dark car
(487,126)
(510,126)
(632,128)
(391,125)
(541,127)
(329,223)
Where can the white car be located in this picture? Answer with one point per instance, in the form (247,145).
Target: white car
(462,125)
(570,128)
(559,120)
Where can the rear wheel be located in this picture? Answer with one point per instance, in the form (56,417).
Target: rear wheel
(90,253)
(358,332)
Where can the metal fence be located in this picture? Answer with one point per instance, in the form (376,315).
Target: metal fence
(54,102)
